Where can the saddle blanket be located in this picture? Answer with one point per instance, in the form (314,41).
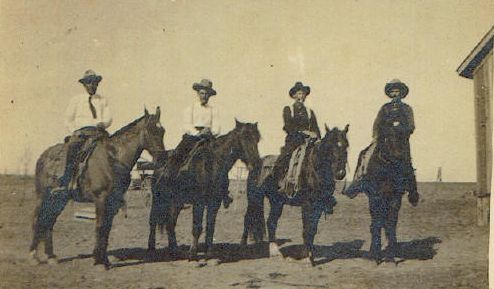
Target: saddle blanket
(290,183)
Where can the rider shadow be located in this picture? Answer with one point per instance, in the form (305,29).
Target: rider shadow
(230,253)
(421,249)
(326,254)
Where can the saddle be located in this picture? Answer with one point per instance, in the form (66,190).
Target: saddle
(195,151)
(80,168)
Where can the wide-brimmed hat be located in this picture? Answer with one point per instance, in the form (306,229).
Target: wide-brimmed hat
(205,84)
(396,83)
(90,76)
(299,86)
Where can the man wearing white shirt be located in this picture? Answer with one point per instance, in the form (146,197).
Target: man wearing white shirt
(201,125)
(87,117)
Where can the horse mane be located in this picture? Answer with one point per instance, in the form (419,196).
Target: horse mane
(127,127)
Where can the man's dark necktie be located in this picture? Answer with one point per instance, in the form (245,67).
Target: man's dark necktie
(92,108)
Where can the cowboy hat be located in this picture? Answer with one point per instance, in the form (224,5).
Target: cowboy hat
(205,84)
(89,77)
(396,83)
(299,86)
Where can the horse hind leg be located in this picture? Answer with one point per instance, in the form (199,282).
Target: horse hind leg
(45,216)
(274,215)
(212,212)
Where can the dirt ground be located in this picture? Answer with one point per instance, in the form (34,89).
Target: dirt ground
(439,242)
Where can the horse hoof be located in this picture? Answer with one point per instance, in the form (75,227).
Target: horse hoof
(52,260)
(243,243)
(372,257)
(105,262)
(33,258)
(193,255)
(210,254)
(274,250)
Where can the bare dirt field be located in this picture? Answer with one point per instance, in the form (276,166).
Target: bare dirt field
(439,242)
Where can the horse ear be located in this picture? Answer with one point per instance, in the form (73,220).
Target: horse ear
(158,112)
(346,127)
(146,112)
(237,123)
(255,124)
(326,127)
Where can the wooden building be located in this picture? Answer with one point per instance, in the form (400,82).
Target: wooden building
(478,66)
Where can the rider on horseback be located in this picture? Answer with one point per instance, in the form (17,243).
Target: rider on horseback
(300,124)
(87,118)
(201,125)
(398,115)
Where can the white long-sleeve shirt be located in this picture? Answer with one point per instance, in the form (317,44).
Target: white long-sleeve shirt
(78,114)
(198,115)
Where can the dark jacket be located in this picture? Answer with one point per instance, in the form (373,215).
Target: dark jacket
(301,119)
(394,111)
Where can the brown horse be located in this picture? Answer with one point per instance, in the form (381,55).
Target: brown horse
(106,179)
(325,161)
(204,187)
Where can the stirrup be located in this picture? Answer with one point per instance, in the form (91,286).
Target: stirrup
(59,189)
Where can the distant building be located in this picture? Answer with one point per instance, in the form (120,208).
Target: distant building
(478,66)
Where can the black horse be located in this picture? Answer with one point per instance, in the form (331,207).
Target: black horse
(330,154)
(203,188)
(105,181)
(388,176)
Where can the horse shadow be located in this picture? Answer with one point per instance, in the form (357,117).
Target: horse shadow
(324,254)
(223,253)
(419,249)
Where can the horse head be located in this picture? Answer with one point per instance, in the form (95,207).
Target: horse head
(334,145)
(152,133)
(248,137)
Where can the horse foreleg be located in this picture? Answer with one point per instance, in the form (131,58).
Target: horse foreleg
(274,215)
(254,224)
(390,226)
(197,216)
(377,206)
(105,211)
(213,207)
(310,217)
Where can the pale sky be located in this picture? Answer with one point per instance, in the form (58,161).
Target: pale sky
(151,52)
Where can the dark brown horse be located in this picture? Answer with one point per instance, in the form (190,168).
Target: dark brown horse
(387,178)
(204,187)
(104,182)
(327,157)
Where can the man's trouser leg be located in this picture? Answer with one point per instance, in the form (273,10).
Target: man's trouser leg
(75,145)
(181,153)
